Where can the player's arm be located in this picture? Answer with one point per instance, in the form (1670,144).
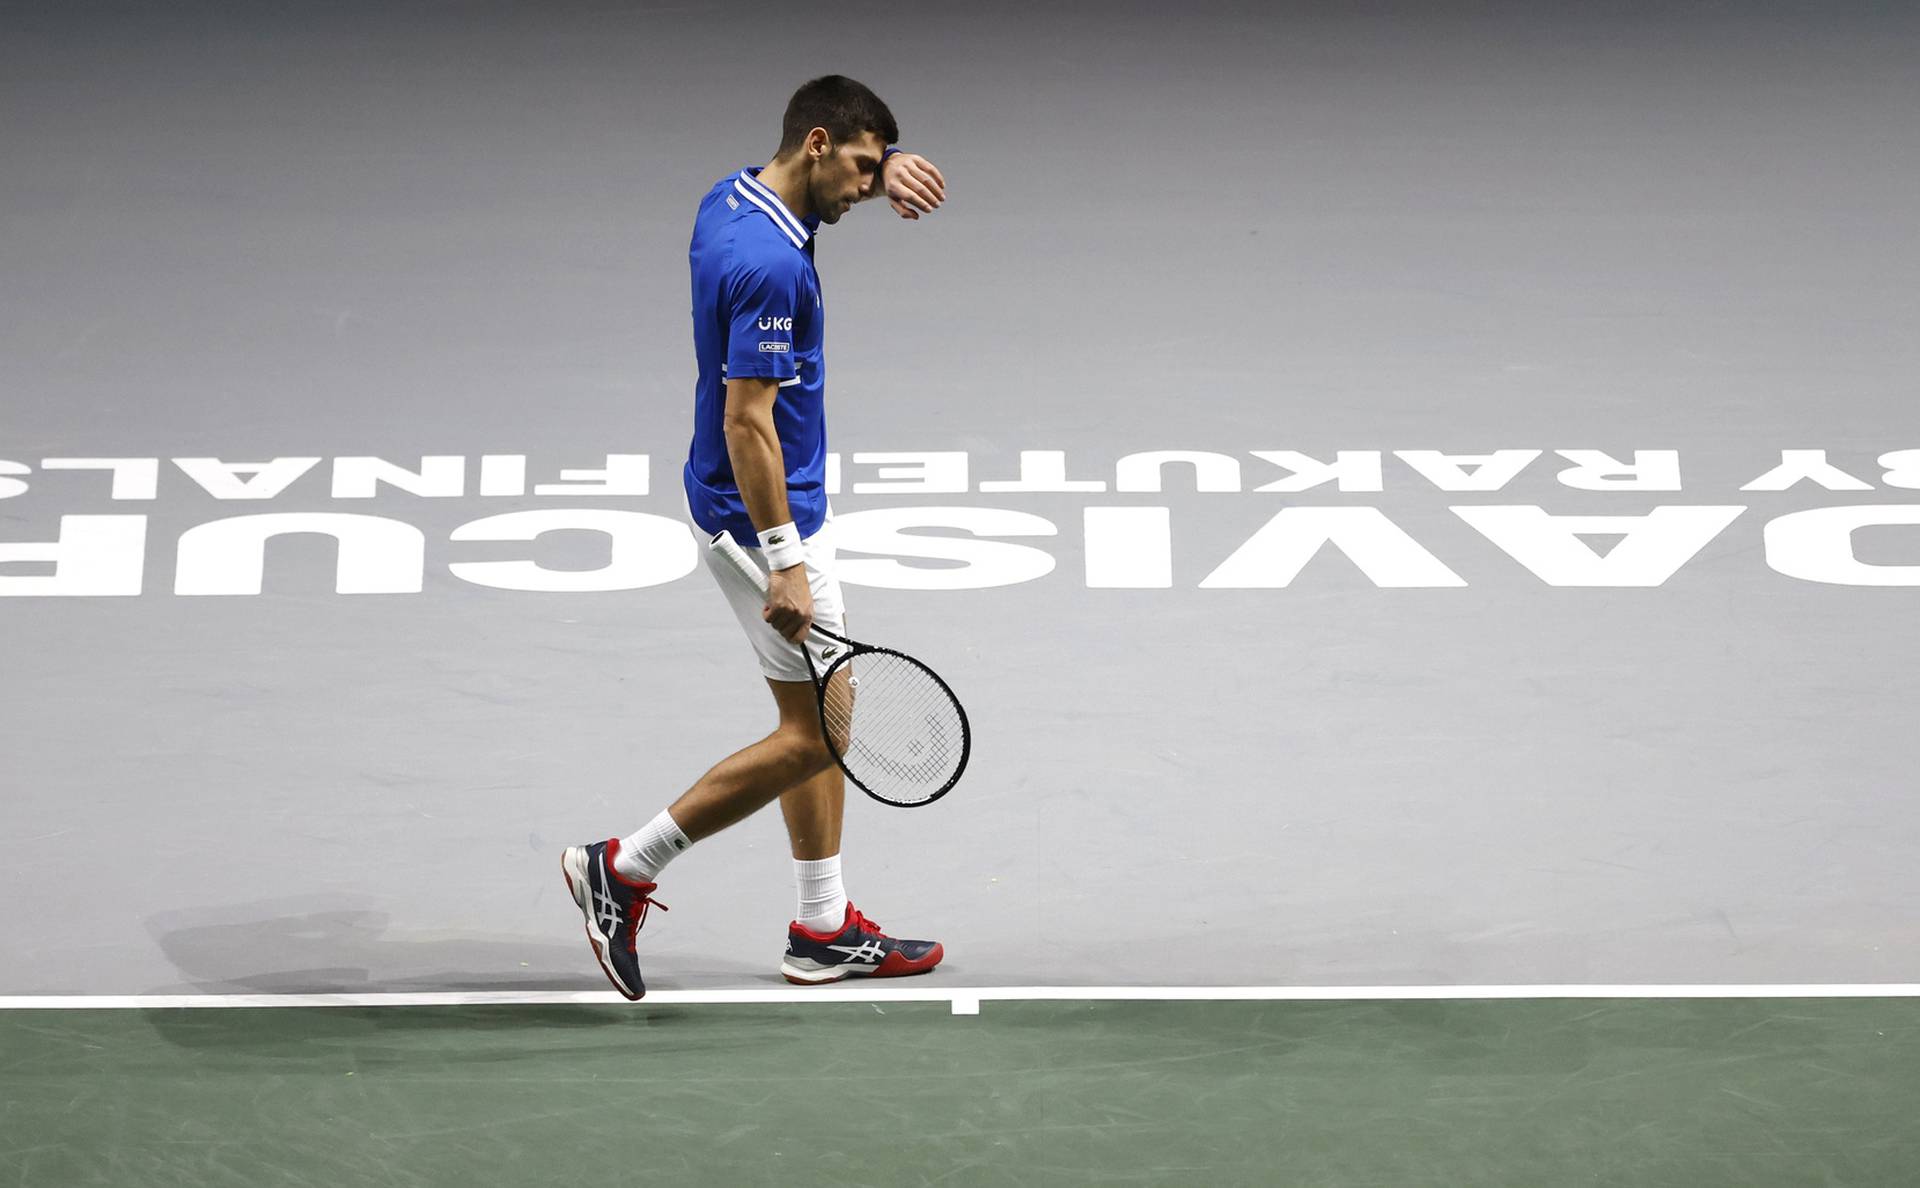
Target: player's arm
(911,183)
(760,471)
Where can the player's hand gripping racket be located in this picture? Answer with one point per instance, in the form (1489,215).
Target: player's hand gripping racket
(904,739)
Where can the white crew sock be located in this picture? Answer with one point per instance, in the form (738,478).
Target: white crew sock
(823,900)
(644,855)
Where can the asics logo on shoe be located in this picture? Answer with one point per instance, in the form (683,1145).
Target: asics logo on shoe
(864,951)
(605,910)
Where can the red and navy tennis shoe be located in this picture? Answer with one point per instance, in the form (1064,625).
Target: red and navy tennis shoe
(859,948)
(614,906)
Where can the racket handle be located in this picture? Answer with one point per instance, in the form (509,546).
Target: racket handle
(737,559)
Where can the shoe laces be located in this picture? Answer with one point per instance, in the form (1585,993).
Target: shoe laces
(642,906)
(862,924)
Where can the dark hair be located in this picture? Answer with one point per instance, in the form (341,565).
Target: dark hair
(837,103)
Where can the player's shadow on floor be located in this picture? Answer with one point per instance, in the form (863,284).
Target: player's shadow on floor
(471,1038)
(335,946)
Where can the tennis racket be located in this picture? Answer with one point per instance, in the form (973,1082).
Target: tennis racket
(904,740)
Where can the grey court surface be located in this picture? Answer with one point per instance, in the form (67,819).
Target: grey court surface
(1494,752)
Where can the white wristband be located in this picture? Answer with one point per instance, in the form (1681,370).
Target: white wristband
(782,546)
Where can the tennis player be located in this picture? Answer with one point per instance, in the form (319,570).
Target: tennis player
(757,471)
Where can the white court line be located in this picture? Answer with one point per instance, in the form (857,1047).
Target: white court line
(965,1000)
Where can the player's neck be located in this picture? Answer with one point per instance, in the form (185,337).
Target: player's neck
(788,182)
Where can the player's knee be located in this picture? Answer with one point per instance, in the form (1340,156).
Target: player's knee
(808,749)
(819,758)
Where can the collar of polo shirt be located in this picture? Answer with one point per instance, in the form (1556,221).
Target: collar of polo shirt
(749,186)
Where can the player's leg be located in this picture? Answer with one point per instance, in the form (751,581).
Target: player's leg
(814,807)
(613,881)
(813,810)
(745,781)
(792,757)
(829,939)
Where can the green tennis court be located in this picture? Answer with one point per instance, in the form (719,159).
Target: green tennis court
(1694,1093)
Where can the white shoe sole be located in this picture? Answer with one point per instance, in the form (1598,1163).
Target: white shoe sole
(819,977)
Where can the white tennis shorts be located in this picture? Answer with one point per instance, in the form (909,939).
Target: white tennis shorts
(779,659)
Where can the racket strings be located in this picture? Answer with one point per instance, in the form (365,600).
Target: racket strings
(902,735)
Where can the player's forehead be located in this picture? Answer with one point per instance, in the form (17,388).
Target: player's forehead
(864,146)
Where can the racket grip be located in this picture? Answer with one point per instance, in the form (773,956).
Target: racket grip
(737,559)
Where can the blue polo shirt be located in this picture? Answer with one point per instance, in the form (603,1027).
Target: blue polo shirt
(756,312)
